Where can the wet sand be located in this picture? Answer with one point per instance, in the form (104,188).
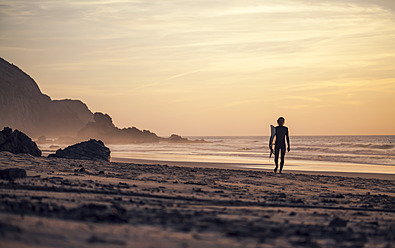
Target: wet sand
(268,167)
(76,203)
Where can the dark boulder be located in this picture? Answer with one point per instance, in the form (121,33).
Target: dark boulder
(12,174)
(87,150)
(17,142)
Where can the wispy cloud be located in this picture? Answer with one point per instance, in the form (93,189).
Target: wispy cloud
(183,74)
(305,98)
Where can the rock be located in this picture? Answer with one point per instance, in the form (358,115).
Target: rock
(12,174)
(104,129)
(87,150)
(174,138)
(17,142)
(337,222)
(103,119)
(177,139)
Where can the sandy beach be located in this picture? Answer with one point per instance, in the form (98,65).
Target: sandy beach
(78,203)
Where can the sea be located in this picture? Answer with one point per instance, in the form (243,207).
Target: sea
(362,154)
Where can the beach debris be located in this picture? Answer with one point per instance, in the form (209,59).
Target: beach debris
(12,174)
(338,222)
(87,150)
(17,142)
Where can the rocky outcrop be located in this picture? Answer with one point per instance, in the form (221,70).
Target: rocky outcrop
(76,108)
(87,150)
(25,107)
(17,142)
(104,129)
(12,173)
(174,138)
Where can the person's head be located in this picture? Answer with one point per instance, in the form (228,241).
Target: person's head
(281,121)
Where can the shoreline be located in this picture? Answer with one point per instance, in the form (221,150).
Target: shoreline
(253,167)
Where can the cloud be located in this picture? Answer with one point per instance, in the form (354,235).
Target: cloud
(183,74)
(22,49)
(306,98)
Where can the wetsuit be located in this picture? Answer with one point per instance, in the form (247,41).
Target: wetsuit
(279,145)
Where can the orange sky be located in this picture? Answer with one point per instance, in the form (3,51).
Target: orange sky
(213,67)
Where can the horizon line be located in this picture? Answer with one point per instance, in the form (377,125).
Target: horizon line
(312,135)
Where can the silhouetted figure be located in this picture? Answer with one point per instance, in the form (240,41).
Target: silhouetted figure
(279,145)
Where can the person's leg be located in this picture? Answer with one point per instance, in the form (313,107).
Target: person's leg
(282,158)
(276,153)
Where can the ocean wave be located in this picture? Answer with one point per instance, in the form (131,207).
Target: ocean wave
(374,160)
(347,144)
(374,146)
(358,149)
(342,151)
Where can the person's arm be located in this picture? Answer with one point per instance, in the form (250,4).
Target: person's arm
(289,145)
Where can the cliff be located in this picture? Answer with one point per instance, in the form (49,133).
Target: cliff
(23,106)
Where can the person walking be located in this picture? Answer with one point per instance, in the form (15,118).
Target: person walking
(282,136)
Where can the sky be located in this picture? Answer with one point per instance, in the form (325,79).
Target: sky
(207,67)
